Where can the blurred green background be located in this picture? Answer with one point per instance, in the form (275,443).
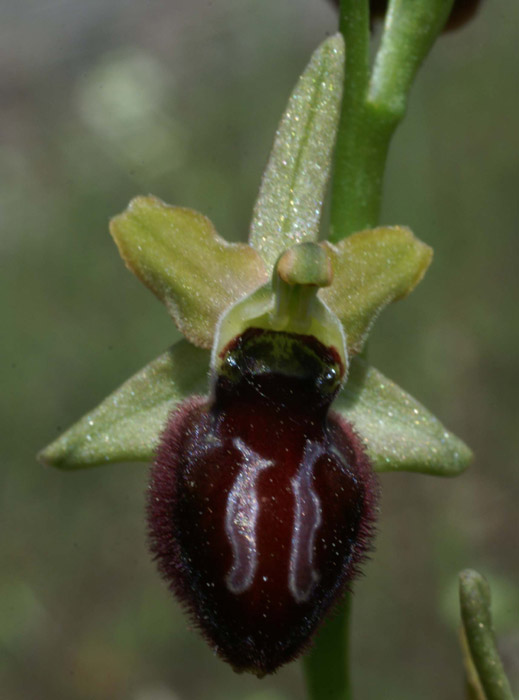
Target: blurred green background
(110,98)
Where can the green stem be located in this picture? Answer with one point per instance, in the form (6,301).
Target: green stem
(373,106)
(326,665)
(409,33)
(351,190)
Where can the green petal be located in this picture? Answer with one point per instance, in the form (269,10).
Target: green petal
(399,433)
(177,253)
(125,427)
(288,209)
(485,674)
(371,269)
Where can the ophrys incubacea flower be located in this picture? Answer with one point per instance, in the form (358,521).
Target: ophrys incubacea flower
(265,424)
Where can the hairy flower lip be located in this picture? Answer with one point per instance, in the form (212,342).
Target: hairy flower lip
(290,472)
(240,650)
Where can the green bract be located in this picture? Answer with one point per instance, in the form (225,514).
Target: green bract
(283,280)
(486,678)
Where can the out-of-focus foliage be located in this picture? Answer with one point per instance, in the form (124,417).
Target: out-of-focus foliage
(101,101)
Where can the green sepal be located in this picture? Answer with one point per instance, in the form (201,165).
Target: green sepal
(398,432)
(289,204)
(371,269)
(177,253)
(126,426)
(486,678)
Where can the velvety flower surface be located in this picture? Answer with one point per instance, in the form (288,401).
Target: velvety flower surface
(267,498)
(265,425)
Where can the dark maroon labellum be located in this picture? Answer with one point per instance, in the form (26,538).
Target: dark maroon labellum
(261,502)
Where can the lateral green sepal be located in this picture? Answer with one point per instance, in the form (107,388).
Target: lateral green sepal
(177,253)
(399,433)
(126,426)
(371,269)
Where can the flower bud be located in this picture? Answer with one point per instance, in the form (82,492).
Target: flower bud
(462,12)
(261,501)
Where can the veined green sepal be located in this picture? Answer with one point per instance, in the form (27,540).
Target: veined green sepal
(398,432)
(289,205)
(125,427)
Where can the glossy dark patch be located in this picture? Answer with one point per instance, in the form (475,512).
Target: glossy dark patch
(261,502)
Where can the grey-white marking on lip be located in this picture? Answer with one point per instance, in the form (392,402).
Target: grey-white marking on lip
(241,516)
(302,575)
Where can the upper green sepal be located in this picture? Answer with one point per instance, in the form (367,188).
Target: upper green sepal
(290,200)
(126,426)
(399,433)
(371,269)
(177,253)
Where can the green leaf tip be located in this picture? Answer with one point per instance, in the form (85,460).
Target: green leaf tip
(126,426)
(289,205)
(177,253)
(399,433)
(486,677)
(371,269)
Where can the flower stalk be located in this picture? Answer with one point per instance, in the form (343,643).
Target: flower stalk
(326,667)
(374,102)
